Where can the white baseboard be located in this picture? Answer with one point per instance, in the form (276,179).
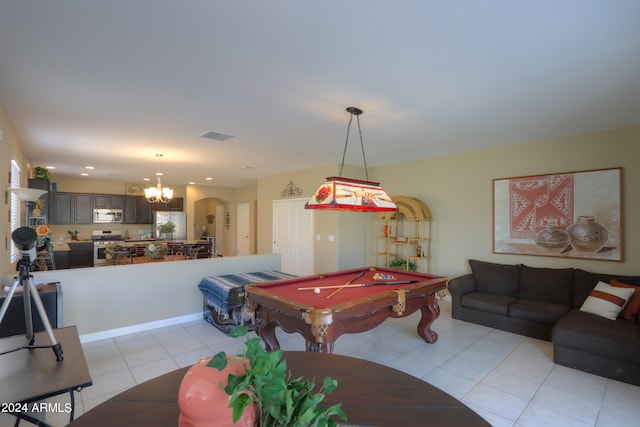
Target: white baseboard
(111,333)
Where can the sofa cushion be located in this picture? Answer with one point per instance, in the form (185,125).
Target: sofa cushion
(485,301)
(553,285)
(496,278)
(538,311)
(617,339)
(630,311)
(606,300)
(585,281)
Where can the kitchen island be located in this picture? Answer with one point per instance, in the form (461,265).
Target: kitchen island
(133,252)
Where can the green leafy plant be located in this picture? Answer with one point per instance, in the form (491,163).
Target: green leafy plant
(401,264)
(167,228)
(280,399)
(156,250)
(41,173)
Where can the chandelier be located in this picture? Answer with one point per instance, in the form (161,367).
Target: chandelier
(346,194)
(158,194)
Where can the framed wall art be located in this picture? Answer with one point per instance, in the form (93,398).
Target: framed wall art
(134,189)
(570,214)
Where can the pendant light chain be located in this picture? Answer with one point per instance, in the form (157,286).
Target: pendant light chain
(364,158)
(344,153)
(354,112)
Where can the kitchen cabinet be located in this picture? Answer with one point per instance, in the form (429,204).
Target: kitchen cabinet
(62,208)
(175,204)
(71,208)
(145,216)
(62,259)
(83,204)
(131,210)
(137,210)
(108,201)
(81,254)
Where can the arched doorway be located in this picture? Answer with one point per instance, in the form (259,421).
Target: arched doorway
(209,223)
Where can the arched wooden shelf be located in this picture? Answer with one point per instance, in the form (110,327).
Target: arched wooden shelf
(405,235)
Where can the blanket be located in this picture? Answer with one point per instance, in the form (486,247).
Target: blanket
(224,298)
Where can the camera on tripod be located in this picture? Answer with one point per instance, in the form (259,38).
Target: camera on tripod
(25,240)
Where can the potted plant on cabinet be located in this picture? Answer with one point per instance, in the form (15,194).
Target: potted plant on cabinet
(262,386)
(41,173)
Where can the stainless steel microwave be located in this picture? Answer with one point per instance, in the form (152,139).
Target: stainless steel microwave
(110,216)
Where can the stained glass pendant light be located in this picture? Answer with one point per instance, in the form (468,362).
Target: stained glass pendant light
(347,194)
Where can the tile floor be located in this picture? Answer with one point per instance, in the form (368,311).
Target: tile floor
(510,380)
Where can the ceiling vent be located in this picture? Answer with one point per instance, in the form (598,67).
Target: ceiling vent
(216,135)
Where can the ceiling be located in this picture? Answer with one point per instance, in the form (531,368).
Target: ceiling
(112,83)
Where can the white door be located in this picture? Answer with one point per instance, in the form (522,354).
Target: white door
(304,240)
(293,236)
(243,229)
(283,234)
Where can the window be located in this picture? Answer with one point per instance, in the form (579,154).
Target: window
(15,207)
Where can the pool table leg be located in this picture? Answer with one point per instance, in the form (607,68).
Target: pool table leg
(430,312)
(267,331)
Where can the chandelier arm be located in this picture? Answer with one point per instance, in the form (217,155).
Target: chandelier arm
(364,158)
(344,153)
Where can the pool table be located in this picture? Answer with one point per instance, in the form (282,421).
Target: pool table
(316,306)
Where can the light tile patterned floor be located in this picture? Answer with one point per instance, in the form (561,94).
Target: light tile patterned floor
(510,380)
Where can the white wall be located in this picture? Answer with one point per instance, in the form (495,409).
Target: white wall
(106,298)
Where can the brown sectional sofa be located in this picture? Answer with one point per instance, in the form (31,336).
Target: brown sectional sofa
(545,303)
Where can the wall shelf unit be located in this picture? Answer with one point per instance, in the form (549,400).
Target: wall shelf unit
(405,235)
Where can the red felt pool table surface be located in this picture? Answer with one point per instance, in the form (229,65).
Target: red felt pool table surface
(322,320)
(289,288)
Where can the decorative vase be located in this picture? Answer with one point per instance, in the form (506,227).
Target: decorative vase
(552,238)
(203,402)
(588,235)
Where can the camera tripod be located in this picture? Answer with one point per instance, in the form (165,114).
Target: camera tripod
(30,293)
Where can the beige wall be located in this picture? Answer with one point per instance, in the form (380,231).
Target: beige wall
(458,190)
(9,149)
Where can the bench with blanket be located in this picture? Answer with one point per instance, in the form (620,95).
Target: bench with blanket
(224,299)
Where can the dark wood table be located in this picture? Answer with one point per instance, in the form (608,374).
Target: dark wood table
(372,395)
(28,376)
(322,318)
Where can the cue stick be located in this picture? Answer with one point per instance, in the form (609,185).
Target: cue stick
(357,285)
(347,284)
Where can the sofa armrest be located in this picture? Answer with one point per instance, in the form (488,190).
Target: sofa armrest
(458,287)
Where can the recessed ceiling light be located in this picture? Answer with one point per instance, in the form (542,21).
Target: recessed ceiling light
(191,183)
(84,174)
(49,167)
(218,136)
(89,167)
(146,179)
(209,178)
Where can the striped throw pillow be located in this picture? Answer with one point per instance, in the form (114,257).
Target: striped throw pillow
(606,300)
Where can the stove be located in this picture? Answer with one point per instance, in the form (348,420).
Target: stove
(106,237)
(102,238)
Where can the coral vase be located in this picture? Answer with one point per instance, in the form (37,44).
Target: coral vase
(587,234)
(202,401)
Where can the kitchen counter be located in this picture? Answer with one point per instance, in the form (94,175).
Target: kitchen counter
(60,247)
